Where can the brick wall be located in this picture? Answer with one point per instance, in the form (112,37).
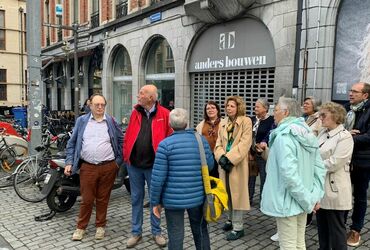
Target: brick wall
(43,29)
(53,31)
(84,10)
(66,17)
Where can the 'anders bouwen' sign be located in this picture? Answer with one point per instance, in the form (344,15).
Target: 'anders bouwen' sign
(240,44)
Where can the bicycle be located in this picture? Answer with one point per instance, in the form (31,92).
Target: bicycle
(10,155)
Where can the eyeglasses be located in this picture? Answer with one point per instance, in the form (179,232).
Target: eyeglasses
(355,91)
(97,105)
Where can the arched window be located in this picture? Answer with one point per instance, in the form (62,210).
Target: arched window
(160,70)
(122,85)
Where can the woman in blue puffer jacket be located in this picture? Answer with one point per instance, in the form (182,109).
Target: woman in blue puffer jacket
(177,182)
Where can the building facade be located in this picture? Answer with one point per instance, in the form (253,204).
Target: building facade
(13,49)
(199,50)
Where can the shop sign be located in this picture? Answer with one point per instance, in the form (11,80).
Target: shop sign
(240,44)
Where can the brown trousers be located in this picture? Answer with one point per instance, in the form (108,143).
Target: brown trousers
(96,183)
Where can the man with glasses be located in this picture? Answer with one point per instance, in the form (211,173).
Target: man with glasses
(94,149)
(358,124)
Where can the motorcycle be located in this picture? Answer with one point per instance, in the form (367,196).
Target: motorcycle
(62,191)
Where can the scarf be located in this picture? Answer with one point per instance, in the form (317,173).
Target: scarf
(212,126)
(351,115)
(230,130)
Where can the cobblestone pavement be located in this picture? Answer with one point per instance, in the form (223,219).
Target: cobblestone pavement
(19,229)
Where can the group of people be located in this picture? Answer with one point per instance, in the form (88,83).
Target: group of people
(305,162)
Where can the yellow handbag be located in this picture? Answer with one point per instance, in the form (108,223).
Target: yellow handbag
(216,196)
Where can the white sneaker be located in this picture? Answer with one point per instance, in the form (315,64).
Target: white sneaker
(275,237)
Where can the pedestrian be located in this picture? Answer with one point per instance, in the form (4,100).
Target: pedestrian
(311,107)
(148,125)
(295,174)
(177,183)
(358,124)
(262,124)
(94,149)
(86,107)
(231,151)
(336,146)
(208,127)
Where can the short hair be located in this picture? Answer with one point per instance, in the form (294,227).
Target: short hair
(291,105)
(315,102)
(241,108)
(97,94)
(337,111)
(205,116)
(178,119)
(366,88)
(264,103)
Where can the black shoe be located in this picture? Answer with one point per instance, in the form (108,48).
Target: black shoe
(234,235)
(228,226)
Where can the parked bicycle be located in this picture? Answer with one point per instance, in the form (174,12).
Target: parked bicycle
(29,177)
(12,151)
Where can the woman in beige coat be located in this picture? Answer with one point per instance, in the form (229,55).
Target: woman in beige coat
(231,151)
(336,146)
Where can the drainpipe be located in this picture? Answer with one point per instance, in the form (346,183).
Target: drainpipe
(22,55)
(297,44)
(317,48)
(305,58)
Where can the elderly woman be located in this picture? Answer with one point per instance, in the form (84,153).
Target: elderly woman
(231,151)
(262,124)
(208,127)
(336,146)
(177,182)
(311,113)
(295,174)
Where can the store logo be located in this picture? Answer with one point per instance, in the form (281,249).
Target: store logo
(227,40)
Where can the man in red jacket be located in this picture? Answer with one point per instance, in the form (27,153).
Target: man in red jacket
(149,124)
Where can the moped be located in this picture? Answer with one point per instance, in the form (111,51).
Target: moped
(62,191)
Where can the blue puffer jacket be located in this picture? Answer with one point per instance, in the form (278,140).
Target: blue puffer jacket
(177,178)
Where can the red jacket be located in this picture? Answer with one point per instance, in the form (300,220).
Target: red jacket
(160,130)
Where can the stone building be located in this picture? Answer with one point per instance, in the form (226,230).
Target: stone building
(13,49)
(197,50)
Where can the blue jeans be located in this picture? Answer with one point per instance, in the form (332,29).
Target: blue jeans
(175,228)
(261,163)
(138,177)
(360,178)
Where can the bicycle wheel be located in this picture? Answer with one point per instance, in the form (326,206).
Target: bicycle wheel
(29,179)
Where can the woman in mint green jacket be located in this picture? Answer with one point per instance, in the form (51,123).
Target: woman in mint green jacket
(295,175)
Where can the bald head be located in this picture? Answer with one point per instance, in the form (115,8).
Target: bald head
(147,96)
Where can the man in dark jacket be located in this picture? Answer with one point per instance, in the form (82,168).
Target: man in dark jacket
(149,124)
(358,123)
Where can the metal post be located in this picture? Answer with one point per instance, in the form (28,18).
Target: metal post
(76,84)
(34,69)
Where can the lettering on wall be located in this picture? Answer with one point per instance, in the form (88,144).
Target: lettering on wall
(228,62)
(227,40)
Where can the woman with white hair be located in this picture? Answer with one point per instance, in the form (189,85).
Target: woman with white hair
(295,174)
(177,182)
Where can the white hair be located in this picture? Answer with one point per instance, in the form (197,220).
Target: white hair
(178,119)
(291,105)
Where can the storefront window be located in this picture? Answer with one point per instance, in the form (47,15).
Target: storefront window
(122,86)
(160,70)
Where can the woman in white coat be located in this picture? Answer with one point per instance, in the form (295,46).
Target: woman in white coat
(336,146)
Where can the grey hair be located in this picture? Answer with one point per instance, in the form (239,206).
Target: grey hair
(264,103)
(291,105)
(178,119)
(315,102)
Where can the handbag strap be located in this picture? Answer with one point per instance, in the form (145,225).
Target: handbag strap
(205,174)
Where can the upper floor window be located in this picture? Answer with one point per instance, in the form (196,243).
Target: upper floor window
(2,29)
(121,8)
(3,94)
(95,14)
(75,12)
(2,75)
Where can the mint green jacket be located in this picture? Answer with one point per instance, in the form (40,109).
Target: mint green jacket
(295,170)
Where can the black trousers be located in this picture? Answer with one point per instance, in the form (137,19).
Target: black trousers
(331,229)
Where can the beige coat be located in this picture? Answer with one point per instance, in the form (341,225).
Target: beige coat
(238,155)
(314,122)
(336,152)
